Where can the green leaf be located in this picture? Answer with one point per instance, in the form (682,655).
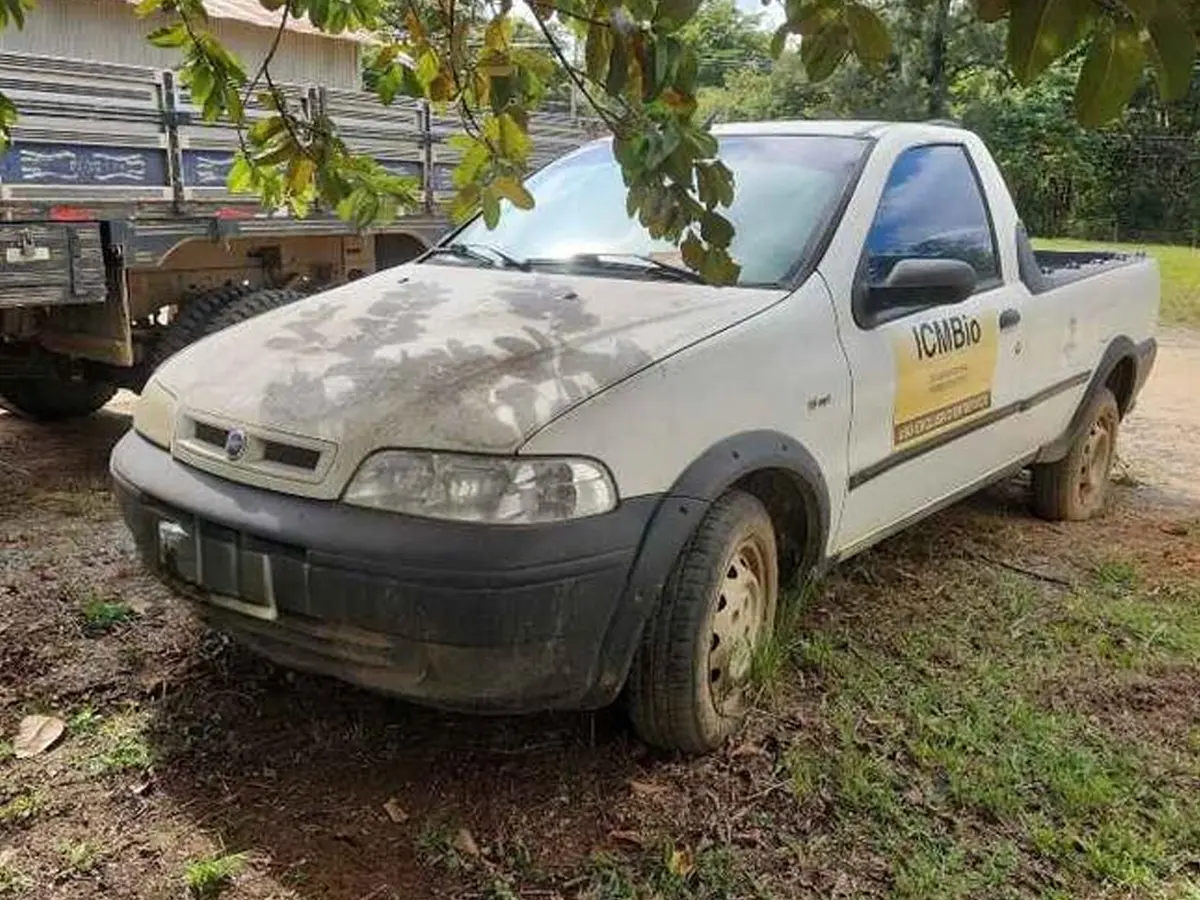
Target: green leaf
(687,67)
(491,207)
(1172,49)
(779,40)
(513,191)
(991,10)
(676,12)
(719,267)
(716,229)
(662,63)
(202,84)
(869,35)
(692,252)
(169,36)
(1040,31)
(147,7)
(824,51)
(808,19)
(598,51)
(1110,74)
(618,68)
(241,175)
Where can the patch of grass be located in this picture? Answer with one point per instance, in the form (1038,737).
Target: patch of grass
(80,857)
(13,882)
(84,721)
(122,745)
(938,752)
(99,616)
(208,878)
(1179,268)
(672,873)
(6,751)
(771,661)
(435,847)
(1117,575)
(21,808)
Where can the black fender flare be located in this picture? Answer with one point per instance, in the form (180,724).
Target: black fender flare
(1119,349)
(676,518)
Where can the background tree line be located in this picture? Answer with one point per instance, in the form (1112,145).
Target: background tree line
(1136,178)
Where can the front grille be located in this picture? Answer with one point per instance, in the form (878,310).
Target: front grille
(288,455)
(211,434)
(279,453)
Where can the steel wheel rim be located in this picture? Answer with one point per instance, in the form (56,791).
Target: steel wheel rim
(740,615)
(1094,466)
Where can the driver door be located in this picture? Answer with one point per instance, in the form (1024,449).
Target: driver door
(936,387)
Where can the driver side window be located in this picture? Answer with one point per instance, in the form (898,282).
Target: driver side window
(932,208)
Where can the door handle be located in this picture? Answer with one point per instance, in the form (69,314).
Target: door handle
(1009,319)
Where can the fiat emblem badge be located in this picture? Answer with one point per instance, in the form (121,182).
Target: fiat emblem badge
(235,444)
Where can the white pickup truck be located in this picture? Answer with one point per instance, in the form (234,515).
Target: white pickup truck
(543,467)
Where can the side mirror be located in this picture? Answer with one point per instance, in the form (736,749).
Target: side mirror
(925,282)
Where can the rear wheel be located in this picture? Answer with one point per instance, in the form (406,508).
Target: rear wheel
(1075,487)
(690,684)
(197,315)
(53,399)
(252,305)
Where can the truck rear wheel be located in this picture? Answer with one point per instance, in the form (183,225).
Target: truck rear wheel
(197,313)
(251,305)
(52,399)
(1075,487)
(690,684)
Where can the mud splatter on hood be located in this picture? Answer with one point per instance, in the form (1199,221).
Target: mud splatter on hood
(442,357)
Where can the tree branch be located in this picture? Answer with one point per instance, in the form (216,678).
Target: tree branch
(262,69)
(573,73)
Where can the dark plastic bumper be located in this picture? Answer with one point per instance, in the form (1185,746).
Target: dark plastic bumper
(456,615)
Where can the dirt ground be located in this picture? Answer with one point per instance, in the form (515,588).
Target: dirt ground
(181,748)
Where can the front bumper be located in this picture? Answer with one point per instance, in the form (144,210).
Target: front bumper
(456,615)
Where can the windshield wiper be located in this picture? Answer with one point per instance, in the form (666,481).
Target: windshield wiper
(648,264)
(484,253)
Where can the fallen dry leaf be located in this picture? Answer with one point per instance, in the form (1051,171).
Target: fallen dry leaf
(37,734)
(681,863)
(646,788)
(395,811)
(465,844)
(628,837)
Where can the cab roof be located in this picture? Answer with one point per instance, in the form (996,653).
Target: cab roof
(836,128)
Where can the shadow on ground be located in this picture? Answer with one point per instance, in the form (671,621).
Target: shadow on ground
(315,774)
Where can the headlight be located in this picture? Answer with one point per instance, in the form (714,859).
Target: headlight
(494,489)
(154,414)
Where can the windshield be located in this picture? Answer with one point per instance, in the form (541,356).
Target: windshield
(785,190)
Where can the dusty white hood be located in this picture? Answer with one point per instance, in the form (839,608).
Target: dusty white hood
(444,357)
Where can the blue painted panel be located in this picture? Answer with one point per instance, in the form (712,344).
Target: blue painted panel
(443,178)
(206,168)
(402,167)
(77,164)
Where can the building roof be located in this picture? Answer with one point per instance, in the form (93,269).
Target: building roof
(254,13)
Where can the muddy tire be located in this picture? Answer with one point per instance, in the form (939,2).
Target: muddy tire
(252,305)
(196,319)
(53,400)
(1076,487)
(689,688)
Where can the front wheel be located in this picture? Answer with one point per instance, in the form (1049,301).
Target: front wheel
(690,685)
(53,399)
